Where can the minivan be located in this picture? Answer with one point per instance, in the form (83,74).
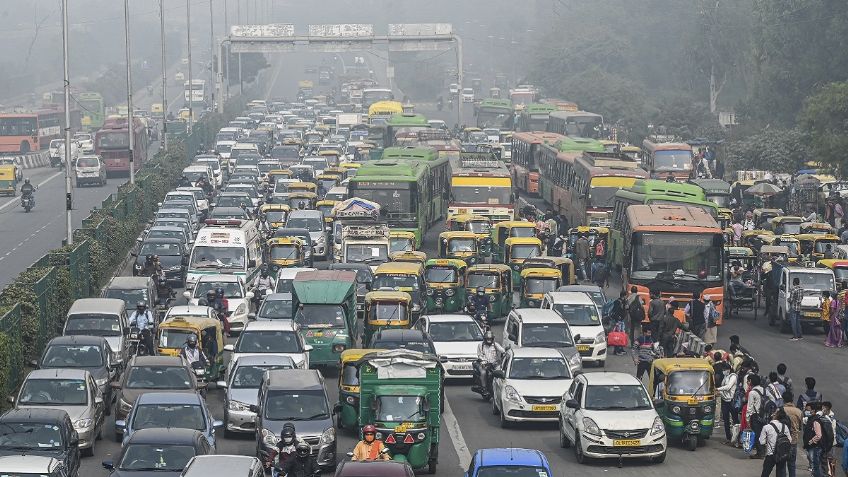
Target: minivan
(583,316)
(538,328)
(89,169)
(106,317)
(313,221)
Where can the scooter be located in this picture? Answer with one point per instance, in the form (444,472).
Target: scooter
(483,389)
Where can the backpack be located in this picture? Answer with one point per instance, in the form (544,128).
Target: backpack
(805,397)
(826,442)
(738,397)
(635,310)
(782,445)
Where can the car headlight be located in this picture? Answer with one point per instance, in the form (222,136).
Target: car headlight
(329,436)
(174,268)
(575,359)
(301,364)
(511,394)
(429,292)
(241,309)
(82,423)
(601,338)
(449,292)
(238,406)
(269,438)
(101,382)
(590,427)
(658,426)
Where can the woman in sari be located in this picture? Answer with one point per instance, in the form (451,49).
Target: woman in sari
(834,310)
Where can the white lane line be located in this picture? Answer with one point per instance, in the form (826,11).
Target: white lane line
(455,434)
(15,200)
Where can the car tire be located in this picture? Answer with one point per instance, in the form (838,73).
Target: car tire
(505,424)
(563,439)
(578,451)
(658,459)
(495,411)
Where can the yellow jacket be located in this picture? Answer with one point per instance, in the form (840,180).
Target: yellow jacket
(369,451)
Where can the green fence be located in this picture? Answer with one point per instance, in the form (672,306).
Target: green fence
(11,356)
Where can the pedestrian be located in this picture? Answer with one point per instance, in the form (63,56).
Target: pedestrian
(810,395)
(581,253)
(600,273)
(774,391)
(777,449)
(668,326)
(795,418)
(785,380)
(843,236)
(748,224)
(656,310)
(729,415)
(828,418)
(813,438)
(645,352)
(635,308)
(618,324)
(711,316)
(694,312)
(796,294)
(754,410)
(835,338)
(737,232)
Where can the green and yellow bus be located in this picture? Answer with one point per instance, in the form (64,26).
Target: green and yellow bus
(440,172)
(556,161)
(494,113)
(93,110)
(534,117)
(397,130)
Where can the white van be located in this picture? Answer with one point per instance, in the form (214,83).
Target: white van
(584,318)
(228,246)
(535,328)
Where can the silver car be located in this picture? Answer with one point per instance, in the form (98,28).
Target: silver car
(242,385)
(72,390)
(313,221)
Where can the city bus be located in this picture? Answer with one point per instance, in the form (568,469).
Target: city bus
(561,104)
(404,189)
(534,117)
(403,128)
(111,142)
(494,113)
(195,93)
(663,158)
(522,95)
(674,251)
(93,110)
(576,123)
(440,172)
(556,163)
(525,162)
(21,133)
(481,185)
(652,192)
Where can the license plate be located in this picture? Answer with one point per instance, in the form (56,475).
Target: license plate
(583,348)
(462,366)
(544,408)
(811,314)
(625,442)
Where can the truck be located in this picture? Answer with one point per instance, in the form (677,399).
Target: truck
(353,211)
(365,244)
(326,313)
(348,119)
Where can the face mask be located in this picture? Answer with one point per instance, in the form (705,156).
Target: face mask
(192,345)
(808,413)
(287,440)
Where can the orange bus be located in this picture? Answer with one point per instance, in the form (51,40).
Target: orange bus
(525,161)
(664,158)
(21,133)
(112,143)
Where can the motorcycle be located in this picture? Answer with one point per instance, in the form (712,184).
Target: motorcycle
(136,341)
(483,389)
(480,315)
(27,202)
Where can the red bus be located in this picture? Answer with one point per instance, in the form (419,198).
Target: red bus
(21,133)
(112,144)
(525,160)
(667,158)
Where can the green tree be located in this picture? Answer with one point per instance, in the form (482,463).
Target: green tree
(780,150)
(824,120)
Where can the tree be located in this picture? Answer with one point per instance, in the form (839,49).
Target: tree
(779,150)
(824,120)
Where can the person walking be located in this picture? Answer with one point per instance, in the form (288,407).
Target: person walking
(812,439)
(796,294)
(711,321)
(810,394)
(776,439)
(581,253)
(694,312)
(835,338)
(656,310)
(783,378)
(754,409)
(828,418)
(645,352)
(636,313)
(668,326)
(729,414)
(796,423)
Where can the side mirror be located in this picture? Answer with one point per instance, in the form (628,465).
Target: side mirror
(498,373)
(98,400)
(254,408)
(572,404)
(251,316)
(217,424)
(34,363)
(229,348)
(659,403)
(249,295)
(337,409)
(251,263)
(308,348)
(783,288)
(576,338)
(221,384)
(11,399)
(512,337)
(187,294)
(443,359)
(120,424)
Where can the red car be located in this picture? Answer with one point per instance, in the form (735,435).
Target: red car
(387,468)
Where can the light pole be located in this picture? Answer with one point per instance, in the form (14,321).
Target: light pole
(130,123)
(69,226)
(212,53)
(190,84)
(164,139)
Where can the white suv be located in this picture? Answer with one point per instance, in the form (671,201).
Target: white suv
(813,281)
(529,384)
(455,338)
(584,318)
(532,327)
(610,415)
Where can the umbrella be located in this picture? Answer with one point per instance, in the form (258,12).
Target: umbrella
(763,189)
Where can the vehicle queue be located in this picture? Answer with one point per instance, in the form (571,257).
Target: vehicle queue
(245,235)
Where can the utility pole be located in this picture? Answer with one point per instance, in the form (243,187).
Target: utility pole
(212,55)
(69,226)
(130,123)
(164,140)
(190,84)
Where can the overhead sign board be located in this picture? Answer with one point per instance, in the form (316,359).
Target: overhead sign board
(342,30)
(274,30)
(419,29)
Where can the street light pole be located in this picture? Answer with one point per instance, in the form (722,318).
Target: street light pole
(130,123)
(69,226)
(212,64)
(164,140)
(190,84)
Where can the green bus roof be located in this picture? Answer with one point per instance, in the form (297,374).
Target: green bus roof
(389,171)
(539,108)
(495,103)
(660,187)
(407,120)
(576,144)
(410,153)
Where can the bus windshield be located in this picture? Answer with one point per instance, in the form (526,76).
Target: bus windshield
(668,161)
(113,140)
(393,199)
(686,256)
(489,195)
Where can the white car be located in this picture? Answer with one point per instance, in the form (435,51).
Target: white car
(455,338)
(467,95)
(286,276)
(85,141)
(201,198)
(278,337)
(529,384)
(610,415)
(584,319)
(313,221)
(238,299)
(453,89)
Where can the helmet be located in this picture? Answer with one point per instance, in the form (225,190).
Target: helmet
(191,340)
(302,450)
(210,293)
(287,434)
(369,430)
(26,181)
(264,271)
(481,290)
(141,305)
(489,337)
(155,257)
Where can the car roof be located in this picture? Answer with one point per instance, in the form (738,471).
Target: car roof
(162,240)
(400,335)
(164,228)
(153,361)
(611,378)
(449,318)
(28,463)
(219,278)
(170,398)
(305,213)
(167,436)
(291,273)
(810,270)
(374,468)
(58,373)
(97,305)
(279,297)
(531,352)
(79,340)
(571,298)
(221,465)
(190,310)
(537,315)
(505,456)
(580,288)
(34,414)
(262,359)
(294,379)
(274,325)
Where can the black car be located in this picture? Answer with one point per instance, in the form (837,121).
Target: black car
(302,234)
(416,340)
(158,452)
(91,353)
(172,255)
(40,431)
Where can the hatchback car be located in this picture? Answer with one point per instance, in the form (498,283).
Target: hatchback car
(529,384)
(278,337)
(42,432)
(242,387)
(390,468)
(509,461)
(159,451)
(172,410)
(584,318)
(415,340)
(286,276)
(610,415)
(455,338)
(313,221)
(131,290)
(276,306)
(228,465)
(541,329)
(172,255)
(91,353)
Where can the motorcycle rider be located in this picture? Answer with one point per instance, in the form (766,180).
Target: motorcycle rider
(28,191)
(302,465)
(263,283)
(194,355)
(142,319)
(480,303)
(205,185)
(488,355)
(152,267)
(285,447)
(184,181)
(369,448)
(222,306)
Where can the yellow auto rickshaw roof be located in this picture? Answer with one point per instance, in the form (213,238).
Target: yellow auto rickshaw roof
(349,165)
(468,218)
(326,202)
(326,175)
(452,234)
(489,268)
(401,234)
(275,207)
(446,262)
(190,321)
(522,241)
(785,238)
(276,172)
(767,211)
(740,252)
(816,225)
(556,261)
(817,237)
(471,129)
(284,241)
(584,229)
(7,170)
(833,263)
(402,268)
(750,233)
(303,194)
(508,224)
(306,185)
(787,218)
(385,295)
(540,273)
(329,152)
(355,354)
(408,255)
(723,211)
(781,249)
(667,365)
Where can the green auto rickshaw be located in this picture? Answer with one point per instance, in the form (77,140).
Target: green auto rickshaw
(479,224)
(461,245)
(517,250)
(506,229)
(444,279)
(348,406)
(496,280)
(386,309)
(172,334)
(535,282)
(684,394)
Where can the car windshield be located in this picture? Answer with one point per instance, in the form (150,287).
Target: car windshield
(395,282)
(511,471)
(88,162)
(276,310)
(479,227)
(524,251)
(689,383)
(489,195)
(814,281)
(455,331)
(72,356)
(176,234)
(313,224)
(578,315)
(539,368)
(320,316)
(232,200)
(93,324)
(615,397)
(157,248)
(366,253)
(538,286)
(440,275)
(152,457)
(275,216)
(400,409)
(181,416)
(400,245)
(546,336)
(29,435)
(285,252)
(268,341)
(485,280)
(158,377)
(250,376)
(231,289)
(296,406)
(54,392)
(208,257)
(130,297)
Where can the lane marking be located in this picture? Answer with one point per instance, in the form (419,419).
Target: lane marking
(16,200)
(455,434)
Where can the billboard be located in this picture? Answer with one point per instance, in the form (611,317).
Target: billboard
(274,30)
(342,30)
(419,29)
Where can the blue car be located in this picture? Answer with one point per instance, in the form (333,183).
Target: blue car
(170,410)
(509,461)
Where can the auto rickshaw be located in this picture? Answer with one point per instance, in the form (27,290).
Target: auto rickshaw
(518,249)
(496,280)
(405,277)
(326,209)
(790,241)
(173,333)
(331,156)
(348,404)
(307,199)
(839,267)
(326,182)
(8,181)
(506,229)
(401,241)
(386,310)
(276,174)
(302,187)
(349,168)
(817,228)
(814,246)
(535,282)
(461,245)
(598,240)
(275,214)
(786,224)
(285,252)
(479,224)
(752,239)
(741,294)
(564,265)
(762,217)
(409,256)
(685,398)
(445,281)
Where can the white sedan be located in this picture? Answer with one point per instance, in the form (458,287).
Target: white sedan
(455,338)
(238,299)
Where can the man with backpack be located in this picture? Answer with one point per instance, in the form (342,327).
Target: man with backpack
(754,414)
(828,419)
(817,439)
(810,395)
(776,439)
(635,309)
